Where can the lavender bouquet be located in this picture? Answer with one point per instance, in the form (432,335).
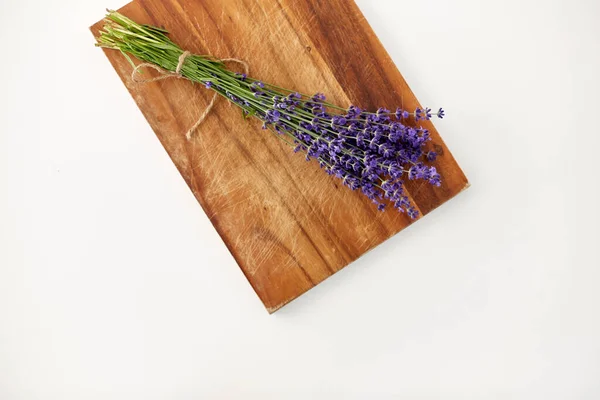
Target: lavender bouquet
(369,151)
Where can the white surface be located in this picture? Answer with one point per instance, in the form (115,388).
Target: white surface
(114,285)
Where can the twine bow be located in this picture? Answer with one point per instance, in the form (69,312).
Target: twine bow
(164,74)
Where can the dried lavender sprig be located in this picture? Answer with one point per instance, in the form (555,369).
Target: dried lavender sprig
(369,151)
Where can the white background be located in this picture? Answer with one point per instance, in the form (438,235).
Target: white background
(114,285)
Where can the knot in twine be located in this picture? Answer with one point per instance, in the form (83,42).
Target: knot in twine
(164,74)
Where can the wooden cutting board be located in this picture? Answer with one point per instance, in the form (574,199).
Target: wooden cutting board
(286,222)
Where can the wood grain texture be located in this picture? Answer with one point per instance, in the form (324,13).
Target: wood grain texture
(288,225)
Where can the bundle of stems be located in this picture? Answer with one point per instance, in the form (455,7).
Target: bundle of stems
(369,151)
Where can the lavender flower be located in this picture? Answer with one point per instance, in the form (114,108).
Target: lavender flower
(431,156)
(402,114)
(369,152)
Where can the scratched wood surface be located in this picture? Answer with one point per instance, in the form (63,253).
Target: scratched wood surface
(288,225)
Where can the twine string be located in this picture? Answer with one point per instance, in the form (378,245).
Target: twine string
(164,74)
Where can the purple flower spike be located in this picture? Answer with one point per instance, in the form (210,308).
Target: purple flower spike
(402,114)
(353,112)
(441,113)
(412,212)
(272,116)
(419,114)
(427,112)
(319,98)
